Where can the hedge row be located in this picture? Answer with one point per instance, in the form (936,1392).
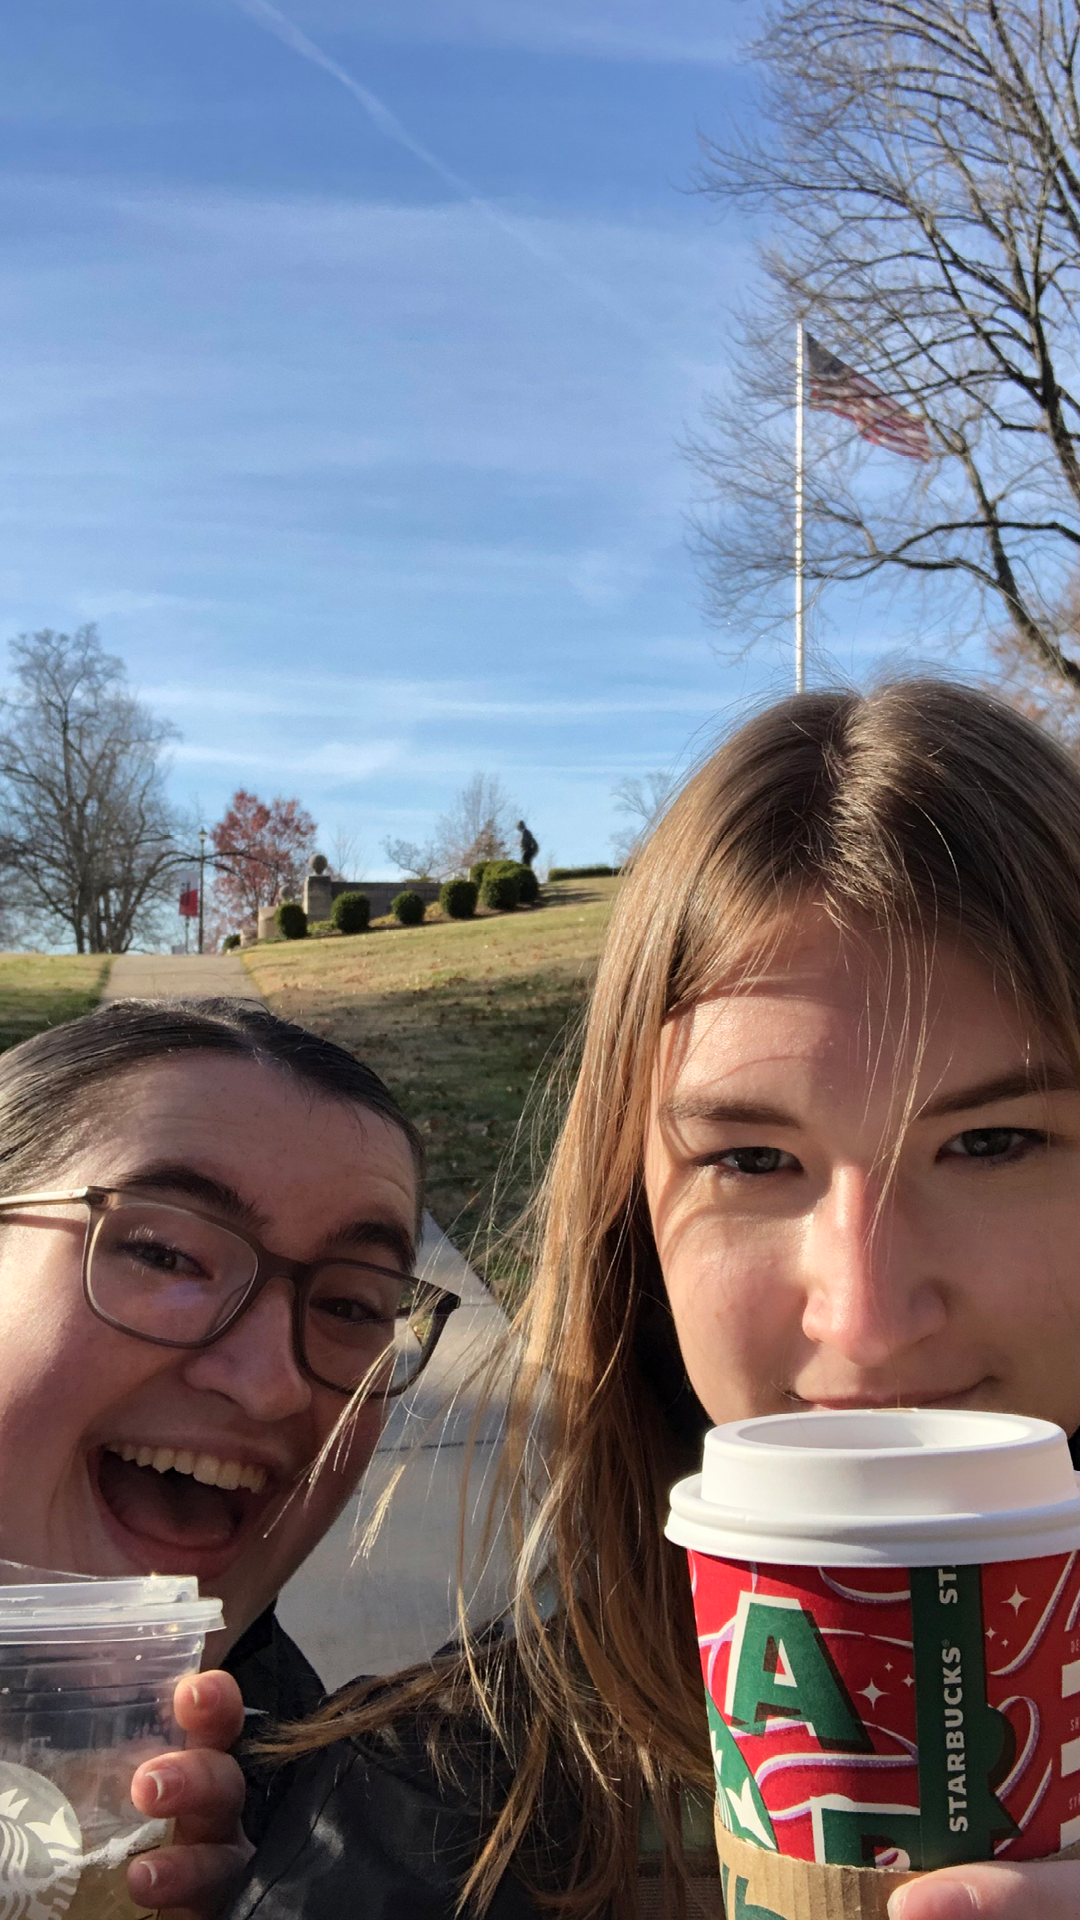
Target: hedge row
(500,885)
(583,873)
(524,884)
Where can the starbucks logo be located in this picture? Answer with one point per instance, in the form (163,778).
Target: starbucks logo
(40,1847)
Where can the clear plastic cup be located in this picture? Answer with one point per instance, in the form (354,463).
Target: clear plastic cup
(87,1674)
(888,1613)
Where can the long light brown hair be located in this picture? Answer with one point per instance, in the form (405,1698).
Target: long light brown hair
(922,807)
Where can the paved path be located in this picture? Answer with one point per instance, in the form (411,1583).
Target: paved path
(372,1614)
(179,976)
(376,1613)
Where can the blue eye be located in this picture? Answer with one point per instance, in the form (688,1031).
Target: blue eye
(756,1160)
(993,1143)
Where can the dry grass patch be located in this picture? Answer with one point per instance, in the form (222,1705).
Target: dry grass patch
(42,989)
(460,1018)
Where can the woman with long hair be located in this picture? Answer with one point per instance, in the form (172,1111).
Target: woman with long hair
(823,1150)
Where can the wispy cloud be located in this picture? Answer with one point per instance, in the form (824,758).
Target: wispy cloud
(386,122)
(336,760)
(402,702)
(705,33)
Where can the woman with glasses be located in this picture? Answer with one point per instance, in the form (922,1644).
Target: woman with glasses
(208,1225)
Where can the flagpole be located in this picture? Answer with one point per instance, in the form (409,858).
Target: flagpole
(800,642)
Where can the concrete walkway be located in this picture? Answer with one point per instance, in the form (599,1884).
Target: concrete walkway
(355,1613)
(179,976)
(394,1605)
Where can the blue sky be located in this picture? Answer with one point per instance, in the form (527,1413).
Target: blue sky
(353,417)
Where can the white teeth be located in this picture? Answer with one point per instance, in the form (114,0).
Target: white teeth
(208,1468)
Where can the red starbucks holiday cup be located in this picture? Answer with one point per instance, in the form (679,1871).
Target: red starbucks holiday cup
(888,1611)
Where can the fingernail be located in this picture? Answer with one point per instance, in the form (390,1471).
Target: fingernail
(195,1693)
(948,1900)
(142,1879)
(167,1781)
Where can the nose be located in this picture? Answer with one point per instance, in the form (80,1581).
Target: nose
(254,1364)
(870,1295)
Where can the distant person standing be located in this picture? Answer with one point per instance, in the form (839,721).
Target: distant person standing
(530,845)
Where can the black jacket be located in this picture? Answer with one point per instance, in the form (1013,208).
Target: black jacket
(354,1833)
(351,1829)
(276,1683)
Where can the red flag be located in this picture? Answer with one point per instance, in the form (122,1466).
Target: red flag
(837,388)
(189,901)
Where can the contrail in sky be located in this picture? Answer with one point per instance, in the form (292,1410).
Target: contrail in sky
(272,21)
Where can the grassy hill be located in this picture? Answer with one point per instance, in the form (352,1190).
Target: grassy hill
(41,989)
(459,1018)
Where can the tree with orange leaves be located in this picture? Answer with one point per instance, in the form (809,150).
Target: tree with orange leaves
(261,852)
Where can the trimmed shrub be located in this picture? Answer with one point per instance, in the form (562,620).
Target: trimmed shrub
(351,912)
(230,941)
(478,870)
(408,908)
(291,920)
(458,899)
(500,892)
(528,887)
(584,873)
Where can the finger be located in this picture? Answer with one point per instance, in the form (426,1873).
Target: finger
(199,1880)
(210,1710)
(201,1790)
(1047,1890)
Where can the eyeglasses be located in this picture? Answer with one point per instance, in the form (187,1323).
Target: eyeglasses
(181,1278)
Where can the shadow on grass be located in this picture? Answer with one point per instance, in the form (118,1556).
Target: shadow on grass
(480,1065)
(42,989)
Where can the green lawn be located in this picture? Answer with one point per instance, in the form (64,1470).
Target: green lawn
(41,989)
(460,1018)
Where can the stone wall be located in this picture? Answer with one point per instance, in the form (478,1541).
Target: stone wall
(320,892)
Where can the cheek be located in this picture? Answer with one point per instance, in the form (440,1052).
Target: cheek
(731,1307)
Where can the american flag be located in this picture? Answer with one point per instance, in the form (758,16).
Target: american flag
(837,388)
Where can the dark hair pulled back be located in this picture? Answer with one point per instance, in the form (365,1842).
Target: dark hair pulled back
(53,1084)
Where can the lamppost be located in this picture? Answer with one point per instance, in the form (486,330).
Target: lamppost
(202,881)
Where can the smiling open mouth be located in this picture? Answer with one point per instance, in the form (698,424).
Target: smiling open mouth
(176,1501)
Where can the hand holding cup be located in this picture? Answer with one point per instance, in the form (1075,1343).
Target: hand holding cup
(202,1790)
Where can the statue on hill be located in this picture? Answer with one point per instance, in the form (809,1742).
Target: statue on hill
(530,845)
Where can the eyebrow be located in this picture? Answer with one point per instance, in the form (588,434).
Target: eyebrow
(361,1235)
(738,1113)
(169,1176)
(384,1235)
(1040,1077)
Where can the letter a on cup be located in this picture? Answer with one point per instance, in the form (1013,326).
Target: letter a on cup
(780,1666)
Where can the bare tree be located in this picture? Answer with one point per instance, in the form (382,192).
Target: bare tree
(642,798)
(87,837)
(922,171)
(418,861)
(346,855)
(477,826)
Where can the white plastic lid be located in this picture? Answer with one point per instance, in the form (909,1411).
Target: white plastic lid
(70,1607)
(883,1486)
